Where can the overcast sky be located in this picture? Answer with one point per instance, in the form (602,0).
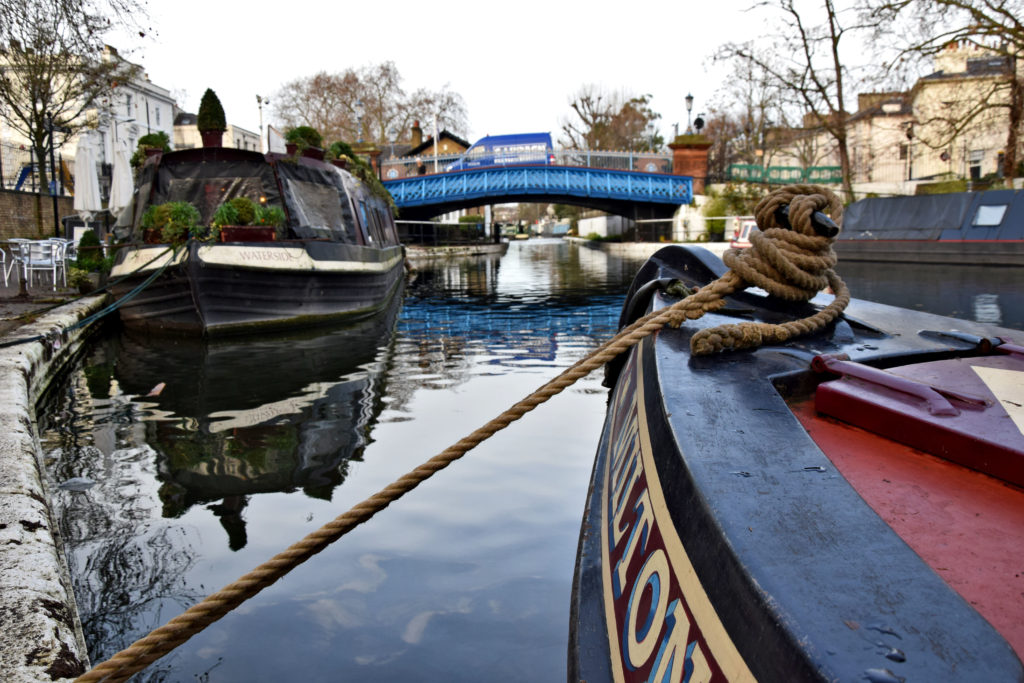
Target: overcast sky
(516,64)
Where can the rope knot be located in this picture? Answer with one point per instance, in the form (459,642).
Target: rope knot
(790,259)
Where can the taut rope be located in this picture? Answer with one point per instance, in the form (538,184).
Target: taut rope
(785,258)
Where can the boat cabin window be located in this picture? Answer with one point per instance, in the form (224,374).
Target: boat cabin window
(319,210)
(371,234)
(990,215)
(206,194)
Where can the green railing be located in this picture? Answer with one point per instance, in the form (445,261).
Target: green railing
(752,173)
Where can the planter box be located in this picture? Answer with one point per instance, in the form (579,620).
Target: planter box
(247,233)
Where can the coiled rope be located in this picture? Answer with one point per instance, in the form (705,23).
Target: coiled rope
(785,256)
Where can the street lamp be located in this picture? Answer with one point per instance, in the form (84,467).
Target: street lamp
(260,101)
(689,108)
(360,111)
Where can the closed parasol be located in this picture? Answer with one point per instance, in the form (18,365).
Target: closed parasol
(87,186)
(121,186)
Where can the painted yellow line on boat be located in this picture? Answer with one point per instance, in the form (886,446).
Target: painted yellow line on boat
(287,258)
(1008,387)
(135,259)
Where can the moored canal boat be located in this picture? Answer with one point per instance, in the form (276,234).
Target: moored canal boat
(962,228)
(843,506)
(336,254)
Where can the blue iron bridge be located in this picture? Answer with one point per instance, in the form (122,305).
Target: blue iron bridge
(634,194)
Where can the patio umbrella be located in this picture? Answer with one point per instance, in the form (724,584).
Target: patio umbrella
(87,184)
(121,183)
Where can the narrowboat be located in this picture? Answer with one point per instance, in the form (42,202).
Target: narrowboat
(843,506)
(983,228)
(333,254)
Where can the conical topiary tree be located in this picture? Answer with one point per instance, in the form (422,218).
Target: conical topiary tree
(211,121)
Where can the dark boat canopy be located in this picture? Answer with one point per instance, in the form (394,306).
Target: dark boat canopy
(992,215)
(320,201)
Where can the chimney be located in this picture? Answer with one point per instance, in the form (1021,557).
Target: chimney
(417,134)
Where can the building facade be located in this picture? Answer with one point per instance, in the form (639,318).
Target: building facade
(952,124)
(186,135)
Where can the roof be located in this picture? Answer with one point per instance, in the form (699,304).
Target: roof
(990,65)
(429,143)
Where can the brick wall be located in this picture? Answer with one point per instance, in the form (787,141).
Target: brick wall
(18,214)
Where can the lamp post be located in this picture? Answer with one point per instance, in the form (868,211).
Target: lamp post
(360,111)
(53,177)
(689,108)
(260,101)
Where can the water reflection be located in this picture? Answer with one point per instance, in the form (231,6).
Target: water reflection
(252,444)
(987,294)
(482,556)
(241,417)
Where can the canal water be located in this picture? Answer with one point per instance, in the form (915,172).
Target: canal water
(210,458)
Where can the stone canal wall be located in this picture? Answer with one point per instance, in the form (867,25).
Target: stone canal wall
(41,638)
(643,250)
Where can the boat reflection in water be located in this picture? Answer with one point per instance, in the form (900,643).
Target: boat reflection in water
(233,418)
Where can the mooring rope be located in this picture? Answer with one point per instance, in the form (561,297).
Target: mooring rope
(166,638)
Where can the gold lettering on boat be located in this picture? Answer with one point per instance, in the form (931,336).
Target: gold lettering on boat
(660,621)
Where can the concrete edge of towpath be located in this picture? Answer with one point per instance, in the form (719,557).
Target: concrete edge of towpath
(41,636)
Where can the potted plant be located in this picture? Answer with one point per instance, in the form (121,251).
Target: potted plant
(304,140)
(340,153)
(149,145)
(243,220)
(170,223)
(210,120)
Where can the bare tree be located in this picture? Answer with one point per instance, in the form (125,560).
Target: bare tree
(85,21)
(54,71)
(924,28)
(602,120)
(328,102)
(805,63)
(745,115)
(324,101)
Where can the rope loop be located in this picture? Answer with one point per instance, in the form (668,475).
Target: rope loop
(791,262)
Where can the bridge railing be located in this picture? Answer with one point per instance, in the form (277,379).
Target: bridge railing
(648,162)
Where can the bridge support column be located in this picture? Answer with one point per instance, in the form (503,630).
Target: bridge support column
(690,157)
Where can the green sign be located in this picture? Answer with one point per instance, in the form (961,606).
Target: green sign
(781,175)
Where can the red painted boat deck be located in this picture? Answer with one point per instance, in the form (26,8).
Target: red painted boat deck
(968,526)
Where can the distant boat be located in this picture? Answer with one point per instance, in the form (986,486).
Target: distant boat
(984,228)
(336,256)
(844,506)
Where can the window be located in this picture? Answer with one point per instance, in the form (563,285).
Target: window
(157,115)
(128,106)
(988,216)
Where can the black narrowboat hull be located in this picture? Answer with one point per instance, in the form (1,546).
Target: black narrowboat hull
(720,543)
(218,289)
(953,252)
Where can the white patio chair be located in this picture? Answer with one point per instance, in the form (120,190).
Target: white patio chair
(43,256)
(18,249)
(5,266)
(63,247)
